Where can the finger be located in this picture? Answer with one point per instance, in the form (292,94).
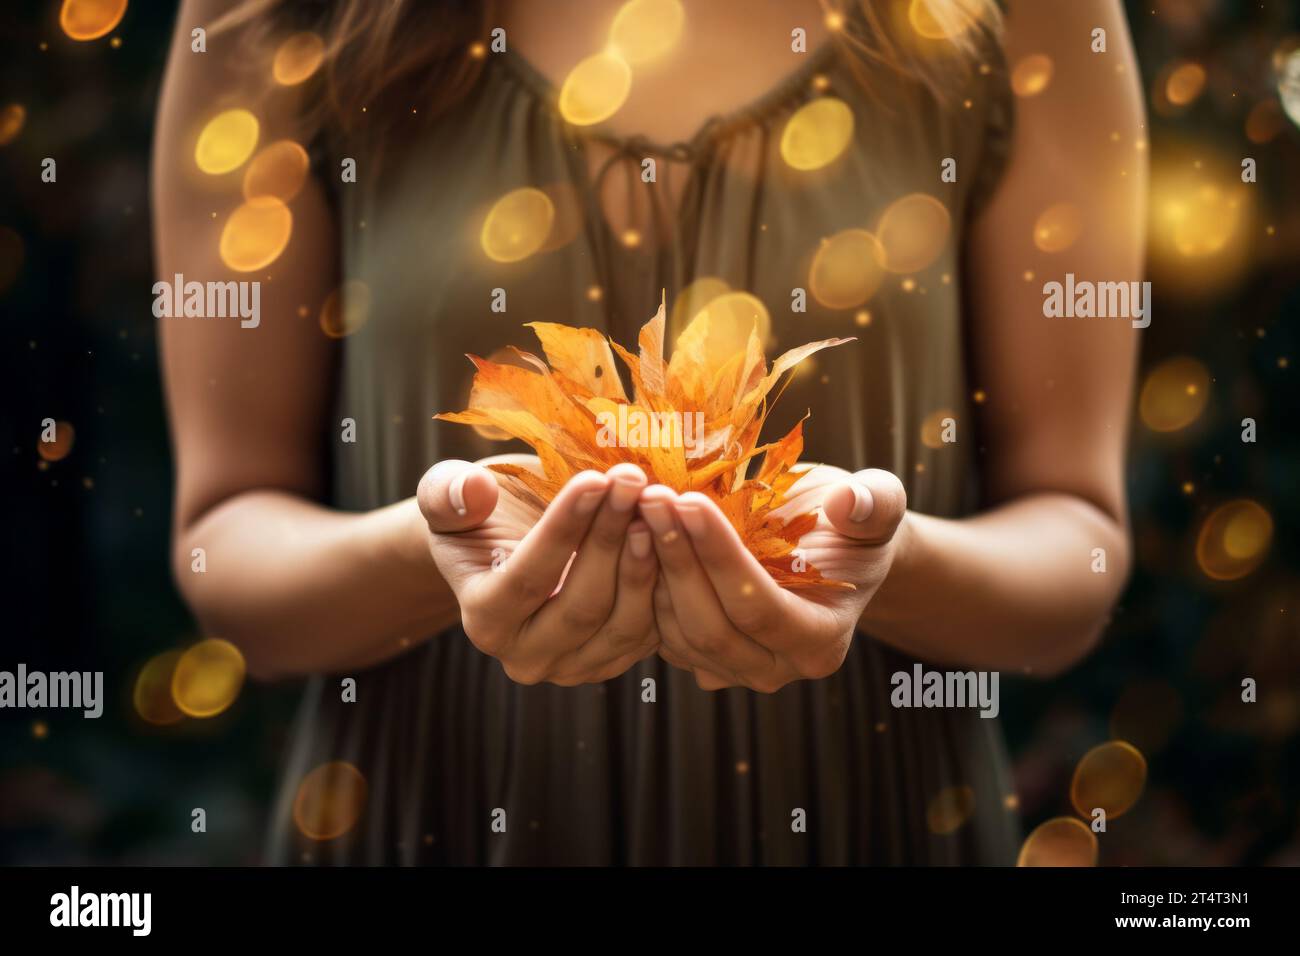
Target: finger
(508,597)
(700,617)
(628,632)
(752,601)
(673,647)
(456,495)
(807,492)
(587,595)
(868,506)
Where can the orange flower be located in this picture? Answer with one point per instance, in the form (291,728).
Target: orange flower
(693,424)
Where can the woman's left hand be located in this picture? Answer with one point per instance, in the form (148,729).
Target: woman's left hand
(723,617)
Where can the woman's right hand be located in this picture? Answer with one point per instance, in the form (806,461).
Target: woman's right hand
(509,567)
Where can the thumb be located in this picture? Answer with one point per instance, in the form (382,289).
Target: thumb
(456,495)
(867,506)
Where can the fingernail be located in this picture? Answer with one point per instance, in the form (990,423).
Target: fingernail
(657,517)
(588,500)
(693,519)
(456,493)
(623,494)
(862,503)
(639,542)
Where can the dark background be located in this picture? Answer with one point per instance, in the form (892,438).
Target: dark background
(87,581)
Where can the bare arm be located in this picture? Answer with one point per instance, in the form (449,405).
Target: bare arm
(298,587)
(1014,587)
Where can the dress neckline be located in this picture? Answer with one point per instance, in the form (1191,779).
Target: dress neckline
(792,85)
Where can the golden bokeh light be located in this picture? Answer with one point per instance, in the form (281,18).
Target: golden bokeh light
(208,678)
(913,231)
(1204,221)
(1174,394)
(255,234)
(90,19)
(595,89)
(517,225)
(64,437)
(691,300)
(1264,122)
(1061,841)
(817,134)
(12,254)
(941,21)
(949,809)
(152,694)
(1032,74)
(1110,777)
(644,30)
(12,119)
(279,170)
(346,309)
(226,142)
(298,58)
(847,269)
(1234,540)
(732,316)
(1058,227)
(329,801)
(1185,83)
(932,428)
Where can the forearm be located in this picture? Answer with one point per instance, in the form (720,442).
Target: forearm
(1013,588)
(302,589)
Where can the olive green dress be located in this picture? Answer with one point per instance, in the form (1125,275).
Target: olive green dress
(594,774)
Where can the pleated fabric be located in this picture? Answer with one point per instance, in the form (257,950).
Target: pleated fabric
(822,772)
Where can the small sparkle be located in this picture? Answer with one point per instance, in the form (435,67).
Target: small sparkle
(671,536)
(742,766)
(979,396)
(863,318)
(595,293)
(40,730)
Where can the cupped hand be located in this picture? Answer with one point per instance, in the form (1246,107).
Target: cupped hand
(723,617)
(562,595)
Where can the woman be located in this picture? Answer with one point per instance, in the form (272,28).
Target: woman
(663,705)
